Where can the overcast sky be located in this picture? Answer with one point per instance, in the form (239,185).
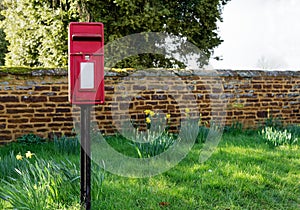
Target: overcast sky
(260,31)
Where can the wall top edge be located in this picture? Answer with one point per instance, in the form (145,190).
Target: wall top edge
(37,72)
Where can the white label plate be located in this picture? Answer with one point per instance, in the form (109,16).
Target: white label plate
(87,75)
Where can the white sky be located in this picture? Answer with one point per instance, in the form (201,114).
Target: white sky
(252,29)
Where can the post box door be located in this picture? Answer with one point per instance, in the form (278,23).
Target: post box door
(89,85)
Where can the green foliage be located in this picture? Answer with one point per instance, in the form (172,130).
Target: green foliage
(22,70)
(192,19)
(3,42)
(294,129)
(66,145)
(7,165)
(235,128)
(202,134)
(154,144)
(30,139)
(276,134)
(41,185)
(243,173)
(37,30)
(278,137)
(98,177)
(3,46)
(274,122)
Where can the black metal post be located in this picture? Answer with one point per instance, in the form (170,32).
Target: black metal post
(85,158)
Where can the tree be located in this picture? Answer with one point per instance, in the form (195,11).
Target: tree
(37,30)
(3,42)
(194,20)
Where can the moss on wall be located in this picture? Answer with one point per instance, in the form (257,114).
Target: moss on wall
(20,70)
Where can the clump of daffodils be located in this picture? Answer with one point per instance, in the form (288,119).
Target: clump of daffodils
(149,112)
(28,155)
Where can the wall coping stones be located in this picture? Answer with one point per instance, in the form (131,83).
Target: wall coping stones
(33,71)
(39,71)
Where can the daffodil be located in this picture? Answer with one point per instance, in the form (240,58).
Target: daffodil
(29,154)
(19,157)
(148,120)
(168,116)
(152,113)
(147,111)
(187,110)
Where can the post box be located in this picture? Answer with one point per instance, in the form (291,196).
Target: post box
(86,63)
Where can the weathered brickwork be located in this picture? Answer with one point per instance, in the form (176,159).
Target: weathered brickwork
(34,104)
(38,102)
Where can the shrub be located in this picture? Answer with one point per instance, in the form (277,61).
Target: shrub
(30,139)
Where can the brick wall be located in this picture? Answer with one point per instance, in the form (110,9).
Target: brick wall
(37,102)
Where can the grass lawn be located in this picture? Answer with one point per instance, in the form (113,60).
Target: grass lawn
(242,173)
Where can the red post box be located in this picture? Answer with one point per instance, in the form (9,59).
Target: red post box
(86,63)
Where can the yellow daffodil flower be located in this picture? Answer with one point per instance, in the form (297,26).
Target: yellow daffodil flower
(147,111)
(148,120)
(168,116)
(19,157)
(187,110)
(29,154)
(152,113)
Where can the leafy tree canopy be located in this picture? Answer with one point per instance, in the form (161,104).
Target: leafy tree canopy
(37,29)
(3,42)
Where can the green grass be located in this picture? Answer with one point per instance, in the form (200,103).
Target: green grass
(243,173)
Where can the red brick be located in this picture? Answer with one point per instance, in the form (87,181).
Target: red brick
(16,111)
(33,120)
(55,88)
(58,110)
(23,126)
(60,119)
(45,110)
(9,99)
(33,99)
(5,137)
(41,88)
(16,121)
(59,99)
